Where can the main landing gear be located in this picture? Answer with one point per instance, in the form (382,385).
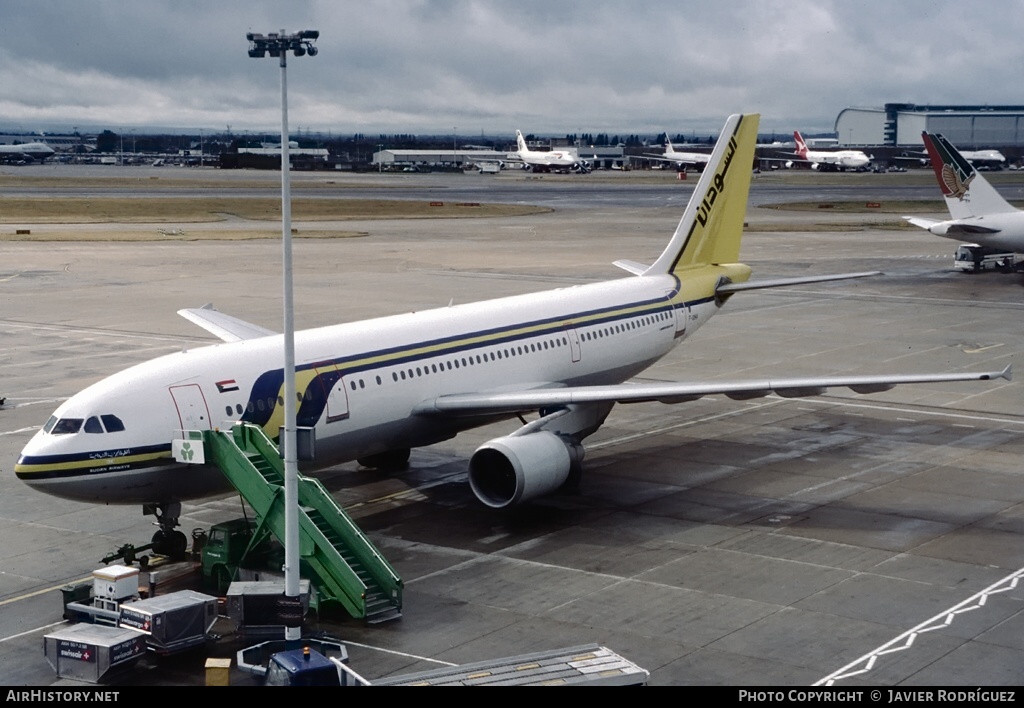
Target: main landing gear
(390,461)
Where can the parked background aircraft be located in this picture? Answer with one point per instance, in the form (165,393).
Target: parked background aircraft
(680,158)
(984,158)
(988,158)
(26,152)
(373,389)
(978,213)
(547,160)
(830,159)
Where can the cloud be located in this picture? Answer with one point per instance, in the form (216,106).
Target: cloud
(486,65)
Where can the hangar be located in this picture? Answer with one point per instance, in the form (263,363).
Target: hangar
(901,124)
(460,158)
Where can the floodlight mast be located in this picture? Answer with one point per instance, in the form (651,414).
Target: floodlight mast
(278,45)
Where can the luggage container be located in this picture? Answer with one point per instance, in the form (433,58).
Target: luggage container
(253,606)
(173,622)
(89,652)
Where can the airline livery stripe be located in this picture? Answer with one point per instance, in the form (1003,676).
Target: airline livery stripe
(51,466)
(474,340)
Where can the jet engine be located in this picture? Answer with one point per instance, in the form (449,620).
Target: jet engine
(507,471)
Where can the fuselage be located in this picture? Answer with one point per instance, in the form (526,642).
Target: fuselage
(696,158)
(358,383)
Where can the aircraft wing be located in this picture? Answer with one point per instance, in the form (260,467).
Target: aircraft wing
(467,404)
(228,328)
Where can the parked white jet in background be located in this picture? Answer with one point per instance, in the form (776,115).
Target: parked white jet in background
(978,213)
(547,160)
(830,159)
(985,158)
(374,389)
(680,158)
(989,158)
(27,152)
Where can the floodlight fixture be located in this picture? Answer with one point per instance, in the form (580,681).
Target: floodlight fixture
(278,44)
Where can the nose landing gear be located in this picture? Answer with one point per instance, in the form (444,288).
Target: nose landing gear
(167,541)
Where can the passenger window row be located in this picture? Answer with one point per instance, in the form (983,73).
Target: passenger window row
(472,359)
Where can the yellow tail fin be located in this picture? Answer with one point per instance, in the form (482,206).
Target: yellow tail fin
(712,226)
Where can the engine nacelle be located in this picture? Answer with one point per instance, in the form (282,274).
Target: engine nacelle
(507,471)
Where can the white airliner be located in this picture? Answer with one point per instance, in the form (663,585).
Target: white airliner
(376,388)
(977,211)
(987,158)
(547,160)
(830,159)
(28,152)
(680,158)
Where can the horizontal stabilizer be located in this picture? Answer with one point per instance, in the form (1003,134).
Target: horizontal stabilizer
(925,224)
(965,227)
(631,266)
(956,227)
(226,327)
(725,288)
(466,404)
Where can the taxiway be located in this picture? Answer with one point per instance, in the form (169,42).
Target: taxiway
(772,542)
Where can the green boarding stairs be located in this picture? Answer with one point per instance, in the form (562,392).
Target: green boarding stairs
(348,568)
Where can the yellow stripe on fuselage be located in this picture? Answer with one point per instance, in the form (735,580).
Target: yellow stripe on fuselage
(89,464)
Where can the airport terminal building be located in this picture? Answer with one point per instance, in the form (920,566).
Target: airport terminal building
(901,124)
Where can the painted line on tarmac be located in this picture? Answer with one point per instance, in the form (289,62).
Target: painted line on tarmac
(36,593)
(398,653)
(32,631)
(19,431)
(677,426)
(916,411)
(906,640)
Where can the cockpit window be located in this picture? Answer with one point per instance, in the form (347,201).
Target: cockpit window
(112,423)
(67,426)
(94,424)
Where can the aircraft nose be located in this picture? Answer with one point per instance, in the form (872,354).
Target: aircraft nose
(32,454)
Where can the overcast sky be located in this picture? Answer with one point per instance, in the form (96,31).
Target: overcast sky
(549,67)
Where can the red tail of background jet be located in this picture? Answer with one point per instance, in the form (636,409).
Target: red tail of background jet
(801,146)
